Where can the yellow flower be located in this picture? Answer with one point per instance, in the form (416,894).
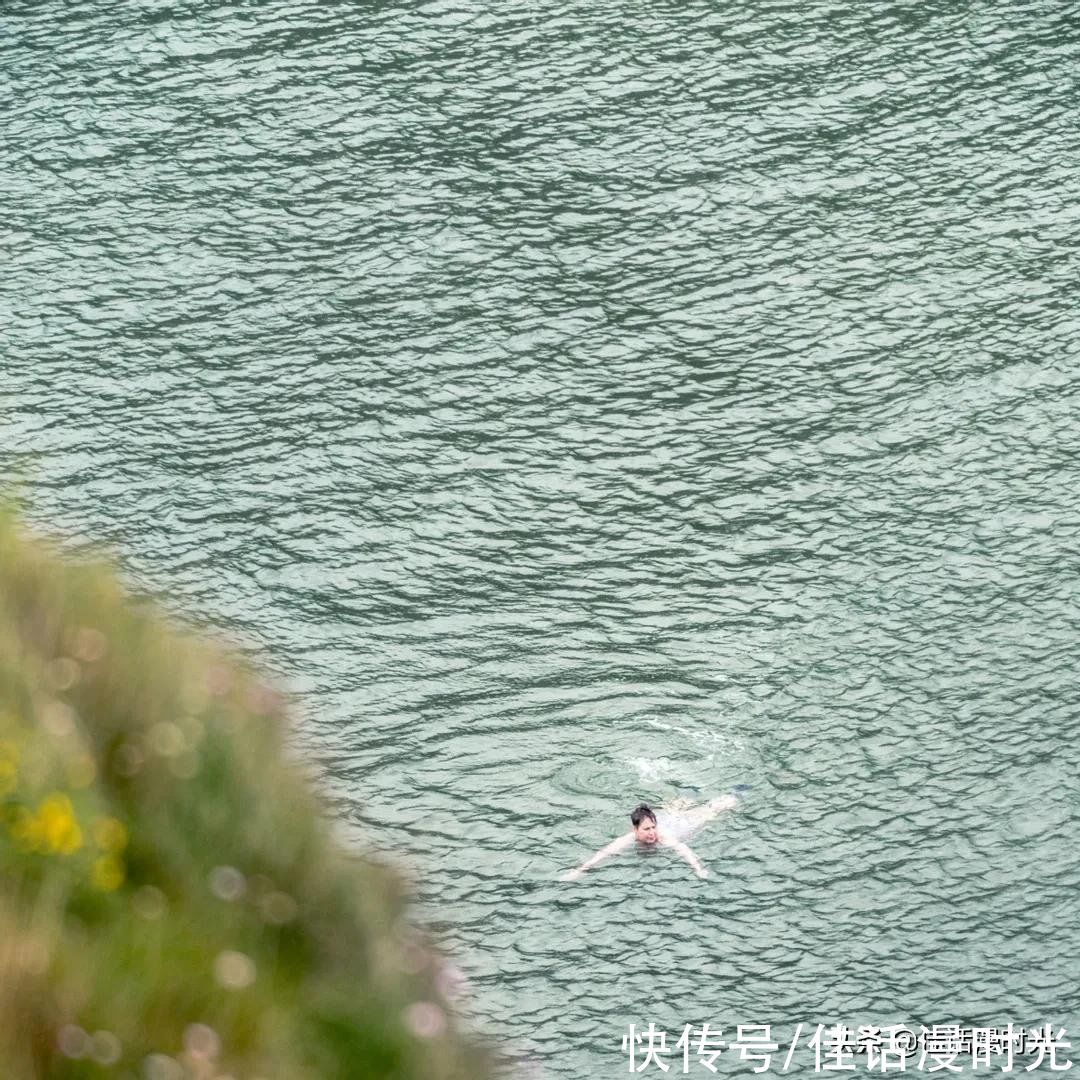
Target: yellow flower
(107,873)
(110,834)
(59,829)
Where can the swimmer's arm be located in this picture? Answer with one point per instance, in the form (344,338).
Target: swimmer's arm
(684,852)
(617,845)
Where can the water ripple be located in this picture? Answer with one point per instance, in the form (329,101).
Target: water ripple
(579,408)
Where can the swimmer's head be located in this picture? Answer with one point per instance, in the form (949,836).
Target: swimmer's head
(644,822)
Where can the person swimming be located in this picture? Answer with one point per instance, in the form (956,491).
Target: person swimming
(674,825)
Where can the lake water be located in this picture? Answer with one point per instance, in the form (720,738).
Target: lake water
(578,405)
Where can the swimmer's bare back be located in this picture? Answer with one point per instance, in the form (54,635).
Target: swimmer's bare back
(712,809)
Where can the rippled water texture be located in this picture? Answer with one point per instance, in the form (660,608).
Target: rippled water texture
(580,403)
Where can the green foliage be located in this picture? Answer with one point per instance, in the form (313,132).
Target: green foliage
(171,901)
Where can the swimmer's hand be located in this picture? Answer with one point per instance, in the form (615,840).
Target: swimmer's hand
(572,875)
(685,853)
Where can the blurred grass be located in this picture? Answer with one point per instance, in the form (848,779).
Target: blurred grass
(171,901)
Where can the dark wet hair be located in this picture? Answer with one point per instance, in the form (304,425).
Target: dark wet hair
(640,813)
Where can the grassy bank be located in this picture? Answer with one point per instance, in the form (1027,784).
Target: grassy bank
(171,902)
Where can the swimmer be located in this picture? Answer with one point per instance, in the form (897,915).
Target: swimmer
(681,821)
